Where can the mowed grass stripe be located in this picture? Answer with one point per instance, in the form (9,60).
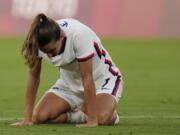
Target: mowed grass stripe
(150,100)
(121,117)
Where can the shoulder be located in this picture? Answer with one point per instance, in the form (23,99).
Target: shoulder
(67,22)
(73,24)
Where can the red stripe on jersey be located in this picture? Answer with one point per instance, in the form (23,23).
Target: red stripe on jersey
(117,84)
(97,49)
(113,71)
(108,62)
(110,67)
(101,53)
(85,58)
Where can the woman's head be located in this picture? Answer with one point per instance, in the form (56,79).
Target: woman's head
(44,34)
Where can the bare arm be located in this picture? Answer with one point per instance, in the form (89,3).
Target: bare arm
(32,86)
(31,90)
(89,93)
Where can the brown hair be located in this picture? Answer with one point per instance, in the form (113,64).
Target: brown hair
(43,30)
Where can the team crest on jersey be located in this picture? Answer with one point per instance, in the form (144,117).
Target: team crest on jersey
(64,24)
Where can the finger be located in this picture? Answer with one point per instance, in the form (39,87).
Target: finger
(30,123)
(21,123)
(85,125)
(16,124)
(80,126)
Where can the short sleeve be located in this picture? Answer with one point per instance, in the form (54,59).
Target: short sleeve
(83,46)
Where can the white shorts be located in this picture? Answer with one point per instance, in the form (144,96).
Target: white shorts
(112,85)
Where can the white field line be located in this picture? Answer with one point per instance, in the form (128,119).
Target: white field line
(10,119)
(121,117)
(150,117)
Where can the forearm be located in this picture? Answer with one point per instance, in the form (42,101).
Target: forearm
(89,93)
(90,100)
(30,97)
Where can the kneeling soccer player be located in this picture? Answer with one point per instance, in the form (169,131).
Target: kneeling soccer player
(90,84)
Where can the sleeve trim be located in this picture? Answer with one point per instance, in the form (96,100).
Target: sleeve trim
(85,58)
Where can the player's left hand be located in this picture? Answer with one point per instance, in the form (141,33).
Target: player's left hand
(88,124)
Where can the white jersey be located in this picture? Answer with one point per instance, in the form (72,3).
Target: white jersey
(81,44)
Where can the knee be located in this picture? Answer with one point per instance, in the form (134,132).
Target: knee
(40,117)
(103,119)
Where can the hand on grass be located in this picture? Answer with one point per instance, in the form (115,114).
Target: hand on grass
(88,124)
(22,123)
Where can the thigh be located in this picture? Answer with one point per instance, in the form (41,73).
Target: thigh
(61,90)
(51,106)
(112,85)
(106,108)
(106,104)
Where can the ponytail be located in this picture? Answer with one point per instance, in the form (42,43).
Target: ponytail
(43,30)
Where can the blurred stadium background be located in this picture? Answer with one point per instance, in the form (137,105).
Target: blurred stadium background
(124,18)
(143,38)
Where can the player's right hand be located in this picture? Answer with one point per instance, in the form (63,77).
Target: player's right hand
(22,123)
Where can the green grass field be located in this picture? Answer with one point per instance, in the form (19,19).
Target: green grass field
(151,100)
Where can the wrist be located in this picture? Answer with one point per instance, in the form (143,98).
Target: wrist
(27,116)
(92,119)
